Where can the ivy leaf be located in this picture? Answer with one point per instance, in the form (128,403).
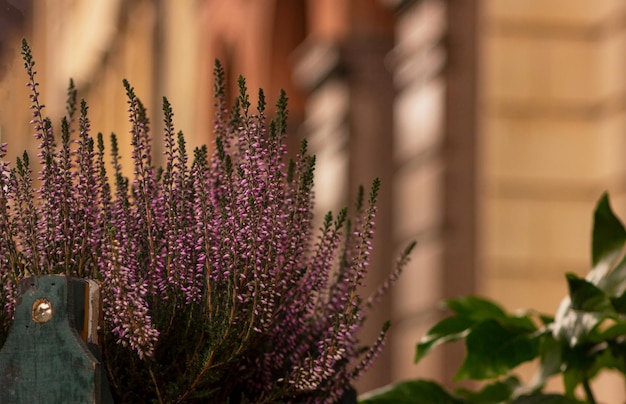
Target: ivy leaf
(574,327)
(470,311)
(614,274)
(545,319)
(608,232)
(585,296)
(581,364)
(544,399)
(616,330)
(447,330)
(612,358)
(494,349)
(475,308)
(549,364)
(608,241)
(581,312)
(496,392)
(619,303)
(618,357)
(410,392)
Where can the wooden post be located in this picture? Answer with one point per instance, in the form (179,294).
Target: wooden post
(51,353)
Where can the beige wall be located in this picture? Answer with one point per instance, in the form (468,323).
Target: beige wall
(552,141)
(419,187)
(14,112)
(99,43)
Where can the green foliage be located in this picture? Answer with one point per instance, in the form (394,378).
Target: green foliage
(608,232)
(494,348)
(585,336)
(495,392)
(407,392)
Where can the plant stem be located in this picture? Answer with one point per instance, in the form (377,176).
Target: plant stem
(197,380)
(156,385)
(590,398)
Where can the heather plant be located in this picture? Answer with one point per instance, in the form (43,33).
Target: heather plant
(216,286)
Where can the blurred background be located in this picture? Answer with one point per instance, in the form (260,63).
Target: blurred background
(494,125)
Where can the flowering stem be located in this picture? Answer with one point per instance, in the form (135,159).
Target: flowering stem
(198,378)
(156,385)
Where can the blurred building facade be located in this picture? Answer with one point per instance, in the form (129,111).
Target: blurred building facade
(494,126)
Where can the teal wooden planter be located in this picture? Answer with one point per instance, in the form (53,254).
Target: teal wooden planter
(51,354)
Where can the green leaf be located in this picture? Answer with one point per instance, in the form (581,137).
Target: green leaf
(493,350)
(470,311)
(447,330)
(550,361)
(616,330)
(618,357)
(544,399)
(475,308)
(574,327)
(545,319)
(619,303)
(572,378)
(612,358)
(579,361)
(609,274)
(522,322)
(496,392)
(585,296)
(608,232)
(411,392)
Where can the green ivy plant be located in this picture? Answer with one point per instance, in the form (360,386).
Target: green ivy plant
(585,336)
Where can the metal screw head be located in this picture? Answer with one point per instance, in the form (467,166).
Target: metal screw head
(42,310)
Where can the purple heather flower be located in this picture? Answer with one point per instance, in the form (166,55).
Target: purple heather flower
(211,271)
